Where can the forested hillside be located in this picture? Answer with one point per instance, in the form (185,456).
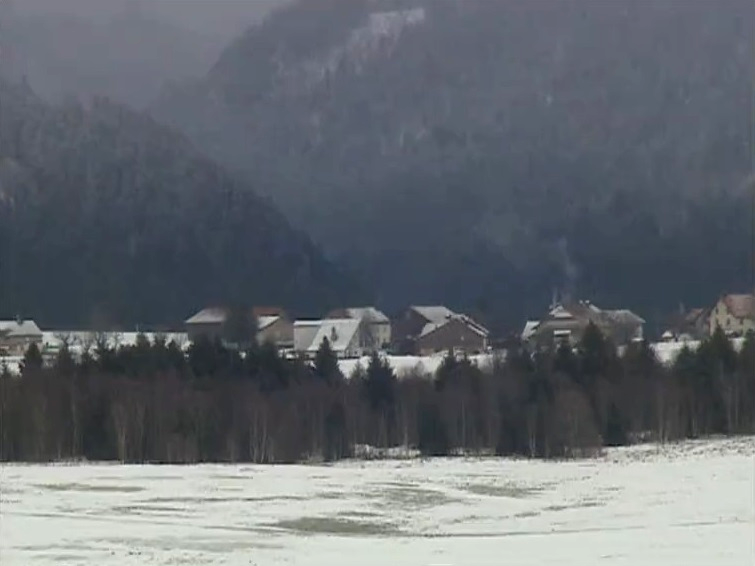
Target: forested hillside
(109,218)
(481,153)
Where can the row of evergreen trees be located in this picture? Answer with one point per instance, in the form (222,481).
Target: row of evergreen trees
(151,403)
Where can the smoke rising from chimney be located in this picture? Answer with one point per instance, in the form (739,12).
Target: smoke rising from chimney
(570,271)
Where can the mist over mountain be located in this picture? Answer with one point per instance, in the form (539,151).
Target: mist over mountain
(109,218)
(125,49)
(482,153)
(212,17)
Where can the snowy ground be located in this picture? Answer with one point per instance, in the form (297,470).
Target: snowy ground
(408,365)
(687,504)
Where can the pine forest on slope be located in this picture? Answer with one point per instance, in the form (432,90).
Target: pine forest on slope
(108,218)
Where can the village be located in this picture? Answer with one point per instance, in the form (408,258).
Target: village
(416,340)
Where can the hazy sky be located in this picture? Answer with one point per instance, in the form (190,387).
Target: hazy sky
(131,64)
(212,17)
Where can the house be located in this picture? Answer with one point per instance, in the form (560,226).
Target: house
(735,314)
(272,325)
(567,323)
(409,325)
(427,329)
(17,335)
(377,326)
(277,330)
(345,335)
(688,325)
(457,333)
(207,323)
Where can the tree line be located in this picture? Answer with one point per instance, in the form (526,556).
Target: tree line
(151,403)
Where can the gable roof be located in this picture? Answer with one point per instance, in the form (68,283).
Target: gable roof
(585,311)
(24,329)
(218,315)
(624,316)
(560,312)
(740,306)
(210,315)
(529,329)
(434,313)
(304,333)
(694,315)
(475,327)
(340,333)
(265,321)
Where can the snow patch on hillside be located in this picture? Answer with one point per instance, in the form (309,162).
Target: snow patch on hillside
(377,37)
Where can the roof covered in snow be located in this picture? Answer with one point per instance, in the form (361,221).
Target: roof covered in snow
(211,315)
(265,321)
(218,315)
(585,310)
(475,327)
(306,323)
(529,329)
(435,314)
(624,316)
(740,306)
(340,333)
(560,312)
(22,329)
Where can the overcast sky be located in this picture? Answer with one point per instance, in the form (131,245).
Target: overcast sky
(213,17)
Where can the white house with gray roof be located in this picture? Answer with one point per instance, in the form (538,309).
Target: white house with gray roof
(273,325)
(17,335)
(376,325)
(345,335)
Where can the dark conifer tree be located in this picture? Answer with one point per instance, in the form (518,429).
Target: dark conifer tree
(326,364)
(380,383)
(205,357)
(566,362)
(596,354)
(336,433)
(273,371)
(433,433)
(175,358)
(64,362)
(640,360)
(32,359)
(240,328)
(446,371)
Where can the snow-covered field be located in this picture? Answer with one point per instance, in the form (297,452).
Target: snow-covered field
(687,504)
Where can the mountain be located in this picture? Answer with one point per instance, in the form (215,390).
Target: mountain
(107,217)
(214,17)
(483,153)
(128,56)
